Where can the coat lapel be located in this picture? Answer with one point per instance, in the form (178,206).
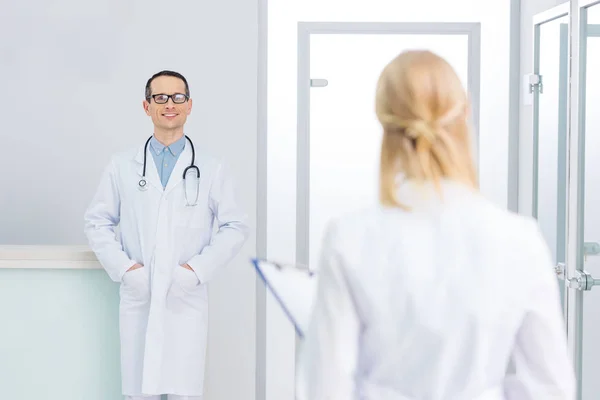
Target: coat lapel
(151,172)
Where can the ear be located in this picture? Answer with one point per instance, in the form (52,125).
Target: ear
(189,109)
(146,105)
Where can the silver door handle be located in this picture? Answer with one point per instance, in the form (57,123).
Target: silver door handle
(591,248)
(319,82)
(582,281)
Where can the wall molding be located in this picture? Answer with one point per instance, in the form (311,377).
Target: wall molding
(47,257)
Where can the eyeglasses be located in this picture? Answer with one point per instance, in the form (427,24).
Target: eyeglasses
(178,98)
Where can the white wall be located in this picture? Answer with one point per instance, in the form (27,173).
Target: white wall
(282,64)
(73,75)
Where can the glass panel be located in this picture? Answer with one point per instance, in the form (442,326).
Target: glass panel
(59,335)
(590,157)
(550,196)
(345,136)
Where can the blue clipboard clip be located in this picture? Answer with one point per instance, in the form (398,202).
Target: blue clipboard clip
(299,267)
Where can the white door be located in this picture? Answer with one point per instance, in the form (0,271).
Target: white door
(566,178)
(583,217)
(338,133)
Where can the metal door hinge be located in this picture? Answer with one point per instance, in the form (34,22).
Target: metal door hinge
(582,281)
(535,83)
(560,270)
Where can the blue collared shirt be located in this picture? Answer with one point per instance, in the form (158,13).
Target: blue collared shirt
(166,157)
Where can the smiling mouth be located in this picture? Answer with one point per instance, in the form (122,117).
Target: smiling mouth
(170,115)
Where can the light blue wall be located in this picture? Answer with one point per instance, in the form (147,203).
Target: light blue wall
(59,337)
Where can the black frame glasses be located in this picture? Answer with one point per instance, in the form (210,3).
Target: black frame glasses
(184,97)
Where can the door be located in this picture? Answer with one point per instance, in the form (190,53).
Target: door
(566,179)
(339,136)
(583,218)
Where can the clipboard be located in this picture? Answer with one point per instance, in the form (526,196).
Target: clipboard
(293,286)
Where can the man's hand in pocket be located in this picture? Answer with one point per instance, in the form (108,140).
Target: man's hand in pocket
(134,267)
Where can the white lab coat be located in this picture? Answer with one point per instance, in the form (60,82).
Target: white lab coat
(163,307)
(455,300)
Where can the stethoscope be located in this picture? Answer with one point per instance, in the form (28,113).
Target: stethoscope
(143,183)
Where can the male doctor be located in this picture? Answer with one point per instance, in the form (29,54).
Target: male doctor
(165,251)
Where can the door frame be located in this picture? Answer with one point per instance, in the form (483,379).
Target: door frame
(471,29)
(540,19)
(573,296)
(545,17)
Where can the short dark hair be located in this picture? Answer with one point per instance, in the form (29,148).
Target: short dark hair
(166,73)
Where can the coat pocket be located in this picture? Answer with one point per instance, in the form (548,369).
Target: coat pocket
(186,294)
(192,218)
(135,286)
(185,279)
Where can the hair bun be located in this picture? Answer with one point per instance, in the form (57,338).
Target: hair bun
(413,129)
(421,129)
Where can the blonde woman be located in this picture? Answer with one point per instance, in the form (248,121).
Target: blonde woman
(437,294)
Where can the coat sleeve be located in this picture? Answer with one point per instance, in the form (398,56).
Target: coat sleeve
(101,219)
(329,354)
(232,228)
(540,364)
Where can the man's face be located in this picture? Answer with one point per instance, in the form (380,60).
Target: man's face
(167,116)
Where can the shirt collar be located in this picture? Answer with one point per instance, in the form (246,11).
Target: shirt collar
(175,148)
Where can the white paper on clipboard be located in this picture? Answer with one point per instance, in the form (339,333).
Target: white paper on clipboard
(293,286)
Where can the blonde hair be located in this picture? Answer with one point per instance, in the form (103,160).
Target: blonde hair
(422,107)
